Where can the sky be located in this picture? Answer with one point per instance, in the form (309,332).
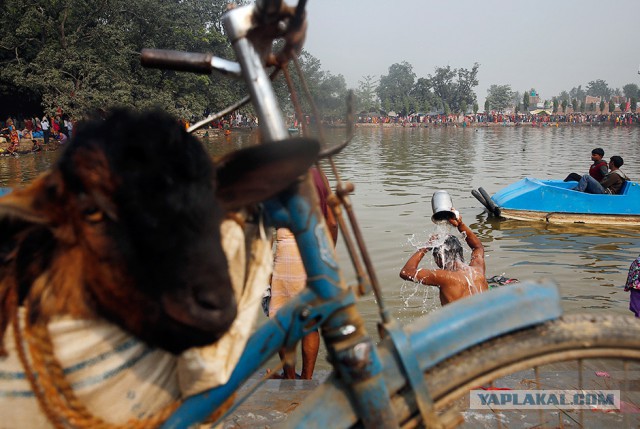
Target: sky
(549,45)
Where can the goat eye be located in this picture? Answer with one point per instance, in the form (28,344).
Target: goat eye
(93,214)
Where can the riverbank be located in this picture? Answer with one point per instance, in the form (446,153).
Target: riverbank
(28,146)
(484,125)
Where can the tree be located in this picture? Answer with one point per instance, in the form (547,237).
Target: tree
(565,103)
(487,106)
(475,108)
(633,104)
(598,88)
(582,106)
(328,91)
(421,93)
(555,105)
(601,106)
(526,101)
(575,104)
(577,93)
(463,107)
(453,86)
(564,96)
(367,99)
(331,95)
(631,90)
(397,85)
(500,97)
(612,106)
(516,100)
(81,55)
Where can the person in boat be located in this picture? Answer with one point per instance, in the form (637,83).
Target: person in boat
(633,286)
(597,170)
(455,278)
(612,182)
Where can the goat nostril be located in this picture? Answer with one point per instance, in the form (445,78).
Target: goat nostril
(208,300)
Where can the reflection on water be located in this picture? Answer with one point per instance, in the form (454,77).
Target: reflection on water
(397,170)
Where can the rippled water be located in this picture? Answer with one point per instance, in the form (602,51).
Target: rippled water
(396,170)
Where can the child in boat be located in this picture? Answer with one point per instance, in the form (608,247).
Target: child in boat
(455,278)
(633,286)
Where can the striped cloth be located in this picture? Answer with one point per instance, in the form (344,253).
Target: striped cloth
(118,377)
(289,276)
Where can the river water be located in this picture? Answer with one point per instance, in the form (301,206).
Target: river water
(396,171)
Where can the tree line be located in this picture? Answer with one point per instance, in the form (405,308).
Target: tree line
(501,97)
(447,90)
(84,55)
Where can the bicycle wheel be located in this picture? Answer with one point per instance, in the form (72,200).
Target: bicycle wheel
(572,353)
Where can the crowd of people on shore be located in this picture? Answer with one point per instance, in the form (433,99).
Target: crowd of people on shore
(479,119)
(35,130)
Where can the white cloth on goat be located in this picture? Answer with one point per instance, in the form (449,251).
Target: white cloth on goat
(202,368)
(118,377)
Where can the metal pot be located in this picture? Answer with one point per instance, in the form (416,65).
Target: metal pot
(442,207)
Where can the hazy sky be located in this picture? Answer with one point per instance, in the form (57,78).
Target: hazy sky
(549,45)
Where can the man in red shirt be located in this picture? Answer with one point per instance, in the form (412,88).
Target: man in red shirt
(597,170)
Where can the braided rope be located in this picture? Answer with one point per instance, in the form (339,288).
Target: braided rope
(52,389)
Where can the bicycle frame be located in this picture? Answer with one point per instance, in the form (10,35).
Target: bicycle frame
(365,374)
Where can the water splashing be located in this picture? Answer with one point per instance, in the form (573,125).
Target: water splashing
(417,295)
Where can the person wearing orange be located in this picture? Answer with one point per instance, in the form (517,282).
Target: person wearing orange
(290,278)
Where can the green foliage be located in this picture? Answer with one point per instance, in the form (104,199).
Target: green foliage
(82,55)
(487,106)
(555,105)
(423,96)
(612,106)
(396,86)
(454,86)
(631,90)
(565,103)
(475,107)
(598,88)
(601,106)
(577,94)
(447,88)
(500,97)
(633,104)
(526,101)
(328,91)
(366,98)
(575,104)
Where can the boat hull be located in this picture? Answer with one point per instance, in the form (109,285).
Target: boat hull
(554,201)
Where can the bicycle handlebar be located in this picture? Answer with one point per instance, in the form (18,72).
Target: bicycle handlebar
(177,60)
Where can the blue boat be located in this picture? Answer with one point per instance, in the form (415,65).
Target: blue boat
(554,201)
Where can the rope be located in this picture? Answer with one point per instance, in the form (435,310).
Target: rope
(52,389)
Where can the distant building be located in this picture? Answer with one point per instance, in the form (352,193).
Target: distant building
(592,104)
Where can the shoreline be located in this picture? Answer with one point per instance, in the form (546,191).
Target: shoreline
(485,125)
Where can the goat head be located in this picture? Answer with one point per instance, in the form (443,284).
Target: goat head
(126,226)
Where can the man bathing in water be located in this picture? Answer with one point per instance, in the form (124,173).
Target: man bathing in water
(455,279)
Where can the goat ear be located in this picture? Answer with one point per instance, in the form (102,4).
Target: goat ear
(29,205)
(258,173)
